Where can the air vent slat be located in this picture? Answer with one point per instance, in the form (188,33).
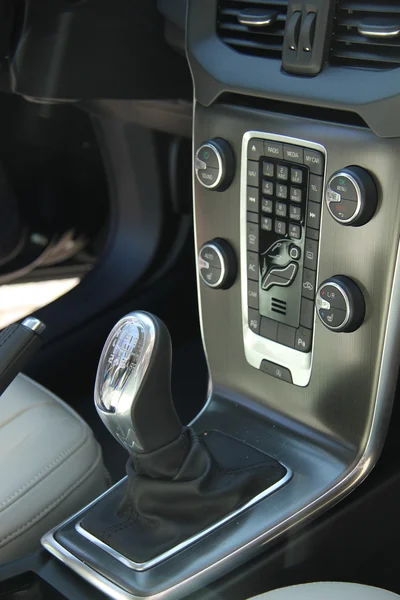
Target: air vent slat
(265,41)
(351,48)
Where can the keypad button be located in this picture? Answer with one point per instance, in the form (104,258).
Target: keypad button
(267,206)
(273,149)
(252,237)
(266,224)
(252,293)
(293,153)
(306,313)
(276,371)
(303,339)
(315,189)
(286,335)
(295,213)
(282,172)
(254,320)
(280,209)
(313,215)
(252,199)
(308,289)
(314,160)
(255,149)
(296,194)
(296,176)
(253,172)
(253,266)
(281,191)
(269,329)
(267,187)
(280,227)
(311,254)
(294,231)
(268,169)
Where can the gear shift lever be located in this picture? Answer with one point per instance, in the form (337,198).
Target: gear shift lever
(133,384)
(180,481)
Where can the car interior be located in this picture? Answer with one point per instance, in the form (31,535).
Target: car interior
(199,299)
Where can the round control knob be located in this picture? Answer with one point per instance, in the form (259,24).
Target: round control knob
(214,164)
(351,196)
(217,264)
(340,304)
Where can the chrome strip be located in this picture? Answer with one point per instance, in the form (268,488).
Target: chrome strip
(256,347)
(192,540)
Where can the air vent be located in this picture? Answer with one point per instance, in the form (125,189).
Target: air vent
(278,306)
(366,34)
(261,36)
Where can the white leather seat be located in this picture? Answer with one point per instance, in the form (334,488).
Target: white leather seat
(50,466)
(329,591)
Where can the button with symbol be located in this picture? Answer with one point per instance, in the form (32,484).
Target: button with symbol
(311,254)
(303,339)
(252,199)
(255,149)
(252,237)
(313,215)
(294,252)
(252,266)
(315,189)
(331,294)
(252,172)
(254,320)
(308,289)
(344,209)
(211,275)
(276,371)
(252,293)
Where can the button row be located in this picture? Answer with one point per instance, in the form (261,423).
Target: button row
(282,172)
(280,227)
(281,209)
(311,158)
(281,191)
(299,339)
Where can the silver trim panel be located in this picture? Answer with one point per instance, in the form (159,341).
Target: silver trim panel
(256,347)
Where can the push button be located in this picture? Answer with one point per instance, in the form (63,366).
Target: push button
(280,276)
(252,172)
(303,339)
(252,199)
(208,176)
(282,172)
(273,149)
(343,210)
(295,213)
(286,335)
(252,237)
(276,371)
(309,278)
(210,256)
(333,317)
(267,188)
(294,231)
(254,320)
(296,176)
(307,313)
(208,156)
(268,169)
(252,292)
(269,329)
(252,265)
(267,206)
(255,149)
(315,190)
(293,153)
(311,254)
(253,217)
(315,161)
(331,294)
(313,215)
(345,187)
(211,275)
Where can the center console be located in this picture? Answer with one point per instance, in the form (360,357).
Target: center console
(297,223)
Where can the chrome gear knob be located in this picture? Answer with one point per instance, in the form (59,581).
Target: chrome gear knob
(133,384)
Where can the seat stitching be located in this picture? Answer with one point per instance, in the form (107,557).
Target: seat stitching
(45,471)
(52,505)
